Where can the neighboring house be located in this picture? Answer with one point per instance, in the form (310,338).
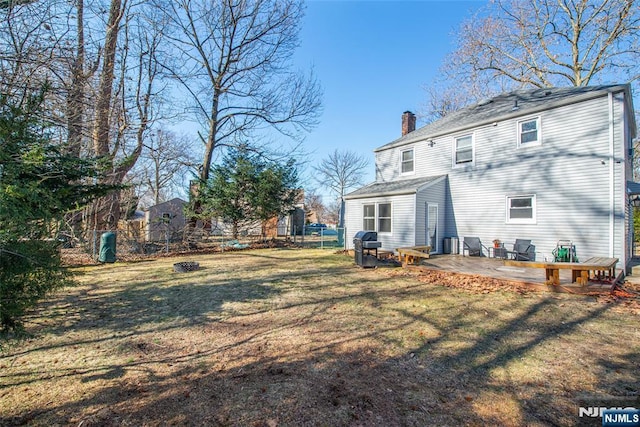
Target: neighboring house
(165,220)
(132,228)
(546,165)
(286,225)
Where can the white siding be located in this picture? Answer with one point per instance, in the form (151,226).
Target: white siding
(570,173)
(434,194)
(402,220)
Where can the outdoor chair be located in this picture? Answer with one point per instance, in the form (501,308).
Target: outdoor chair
(523,250)
(473,246)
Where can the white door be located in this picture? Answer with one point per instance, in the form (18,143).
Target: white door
(432,227)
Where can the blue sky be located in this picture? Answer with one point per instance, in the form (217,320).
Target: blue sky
(373,59)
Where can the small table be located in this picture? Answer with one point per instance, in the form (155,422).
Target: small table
(498,252)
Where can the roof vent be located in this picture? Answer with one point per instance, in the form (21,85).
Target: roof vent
(515,106)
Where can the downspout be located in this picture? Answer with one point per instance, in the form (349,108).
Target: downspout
(612,187)
(416,214)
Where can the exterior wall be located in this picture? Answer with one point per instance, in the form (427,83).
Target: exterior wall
(403,216)
(408,213)
(156,229)
(433,195)
(624,147)
(577,176)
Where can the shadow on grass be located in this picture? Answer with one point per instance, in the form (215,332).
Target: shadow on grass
(347,376)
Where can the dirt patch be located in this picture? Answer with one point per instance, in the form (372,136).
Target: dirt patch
(286,337)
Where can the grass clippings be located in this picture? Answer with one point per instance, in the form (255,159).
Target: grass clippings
(284,337)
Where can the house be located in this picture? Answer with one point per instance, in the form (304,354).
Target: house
(165,221)
(286,225)
(545,164)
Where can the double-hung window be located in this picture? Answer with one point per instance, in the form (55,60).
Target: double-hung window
(369,217)
(384,218)
(521,209)
(529,132)
(377,217)
(463,152)
(406,162)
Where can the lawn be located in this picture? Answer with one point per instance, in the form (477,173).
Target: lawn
(286,337)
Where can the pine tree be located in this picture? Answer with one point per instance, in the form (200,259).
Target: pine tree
(38,185)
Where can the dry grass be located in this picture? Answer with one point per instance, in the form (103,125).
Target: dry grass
(284,337)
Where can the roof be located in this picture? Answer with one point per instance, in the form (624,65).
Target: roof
(174,201)
(394,188)
(633,188)
(508,105)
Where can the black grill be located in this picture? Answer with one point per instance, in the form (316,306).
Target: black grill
(371,245)
(365,244)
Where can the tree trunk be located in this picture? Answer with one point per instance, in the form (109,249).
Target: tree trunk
(76,95)
(105,89)
(105,211)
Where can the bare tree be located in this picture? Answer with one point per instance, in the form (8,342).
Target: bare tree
(98,60)
(30,41)
(164,165)
(43,43)
(313,204)
(127,97)
(333,211)
(541,43)
(234,59)
(339,172)
(77,85)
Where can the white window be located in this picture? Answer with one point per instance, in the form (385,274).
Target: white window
(529,132)
(463,150)
(369,217)
(384,218)
(406,162)
(377,217)
(521,209)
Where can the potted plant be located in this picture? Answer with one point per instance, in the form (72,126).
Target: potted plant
(497,243)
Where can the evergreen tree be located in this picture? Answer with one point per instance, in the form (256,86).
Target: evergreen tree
(38,185)
(246,188)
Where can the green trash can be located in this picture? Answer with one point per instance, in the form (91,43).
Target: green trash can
(341,237)
(107,247)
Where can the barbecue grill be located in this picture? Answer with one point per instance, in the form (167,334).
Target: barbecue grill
(366,246)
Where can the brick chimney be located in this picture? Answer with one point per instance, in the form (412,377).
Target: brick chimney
(408,122)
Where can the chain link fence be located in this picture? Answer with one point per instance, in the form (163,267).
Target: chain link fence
(321,237)
(134,242)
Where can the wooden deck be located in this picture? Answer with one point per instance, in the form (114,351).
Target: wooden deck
(497,268)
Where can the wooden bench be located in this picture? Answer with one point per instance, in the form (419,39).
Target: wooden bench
(413,254)
(603,268)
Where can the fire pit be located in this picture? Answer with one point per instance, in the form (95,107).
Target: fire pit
(185,267)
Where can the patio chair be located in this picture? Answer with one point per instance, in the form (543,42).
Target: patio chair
(473,246)
(523,250)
